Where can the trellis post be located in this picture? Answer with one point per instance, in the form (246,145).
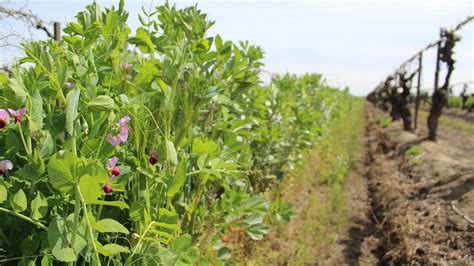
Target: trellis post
(57,31)
(417,99)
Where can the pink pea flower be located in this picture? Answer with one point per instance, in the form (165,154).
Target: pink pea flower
(126,68)
(154,158)
(5,166)
(111,165)
(121,133)
(69,85)
(107,189)
(4,118)
(18,114)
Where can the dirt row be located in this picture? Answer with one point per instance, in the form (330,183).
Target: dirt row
(405,201)
(462,114)
(421,199)
(453,112)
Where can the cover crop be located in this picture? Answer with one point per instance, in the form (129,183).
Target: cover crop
(146,148)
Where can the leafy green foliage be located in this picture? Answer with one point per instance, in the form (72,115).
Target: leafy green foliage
(149,155)
(19,202)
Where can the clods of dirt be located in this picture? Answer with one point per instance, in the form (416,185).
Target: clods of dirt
(423,200)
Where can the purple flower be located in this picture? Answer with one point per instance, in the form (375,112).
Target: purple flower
(112,162)
(107,189)
(111,165)
(154,158)
(126,66)
(4,118)
(5,166)
(69,85)
(121,132)
(18,114)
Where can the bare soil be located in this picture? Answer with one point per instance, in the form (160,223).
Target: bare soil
(420,200)
(458,113)
(397,207)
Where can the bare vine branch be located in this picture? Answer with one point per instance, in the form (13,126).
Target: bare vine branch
(28,17)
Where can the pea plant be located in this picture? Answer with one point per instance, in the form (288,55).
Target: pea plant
(146,147)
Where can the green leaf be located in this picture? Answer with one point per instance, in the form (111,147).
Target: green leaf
(62,72)
(178,180)
(46,260)
(74,27)
(72,39)
(181,244)
(19,89)
(3,194)
(30,171)
(143,41)
(47,148)
(90,188)
(71,110)
(136,210)
(90,148)
(224,253)
(101,103)
(19,202)
(257,232)
(163,86)
(203,147)
(169,151)
(119,204)
(31,243)
(146,73)
(173,227)
(36,112)
(218,42)
(109,226)
(111,249)
(39,206)
(57,240)
(61,169)
(26,262)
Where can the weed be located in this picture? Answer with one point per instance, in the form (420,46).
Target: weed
(384,121)
(414,150)
(415,162)
(439,181)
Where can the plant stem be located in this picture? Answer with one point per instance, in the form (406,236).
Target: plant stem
(24,257)
(74,148)
(141,238)
(26,218)
(77,206)
(91,234)
(27,148)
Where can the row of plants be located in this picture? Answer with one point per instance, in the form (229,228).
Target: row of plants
(146,148)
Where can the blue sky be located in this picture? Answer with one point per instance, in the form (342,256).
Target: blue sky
(354,43)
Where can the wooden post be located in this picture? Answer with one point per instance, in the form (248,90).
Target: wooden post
(436,100)
(436,83)
(57,31)
(417,99)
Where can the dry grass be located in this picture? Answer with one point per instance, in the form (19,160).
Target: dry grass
(315,190)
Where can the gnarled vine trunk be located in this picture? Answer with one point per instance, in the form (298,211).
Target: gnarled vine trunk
(404,98)
(440,96)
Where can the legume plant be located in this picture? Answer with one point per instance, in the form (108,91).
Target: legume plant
(146,148)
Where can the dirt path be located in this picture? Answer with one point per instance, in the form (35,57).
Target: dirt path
(453,131)
(400,206)
(415,184)
(360,241)
(454,113)
(394,205)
